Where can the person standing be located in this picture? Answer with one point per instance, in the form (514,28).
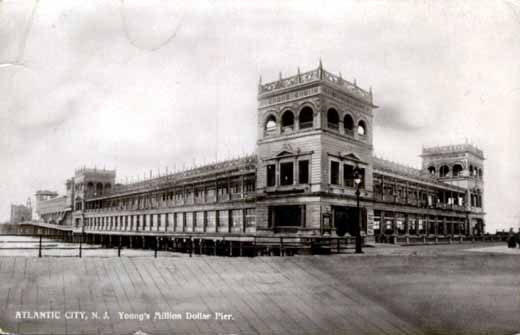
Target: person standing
(511,239)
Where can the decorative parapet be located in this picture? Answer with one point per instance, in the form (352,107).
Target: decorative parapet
(84,170)
(446,149)
(298,79)
(46,193)
(314,76)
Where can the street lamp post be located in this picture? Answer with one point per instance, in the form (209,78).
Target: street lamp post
(359,242)
(82,235)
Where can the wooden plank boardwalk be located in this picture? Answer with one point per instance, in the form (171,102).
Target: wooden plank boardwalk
(263,295)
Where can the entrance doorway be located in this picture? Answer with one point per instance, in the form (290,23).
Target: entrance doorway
(345,220)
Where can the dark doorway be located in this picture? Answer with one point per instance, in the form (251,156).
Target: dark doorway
(345,219)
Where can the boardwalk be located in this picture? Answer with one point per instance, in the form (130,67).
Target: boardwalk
(377,293)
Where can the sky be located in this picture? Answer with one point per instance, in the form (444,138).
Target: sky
(155,85)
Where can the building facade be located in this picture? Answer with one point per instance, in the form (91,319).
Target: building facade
(314,133)
(21,213)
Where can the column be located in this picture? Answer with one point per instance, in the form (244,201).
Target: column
(406,221)
(394,190)
(382,224)
(243,220)
(383,190)
(243,184)
(229,188)
(394,224)
(230,220)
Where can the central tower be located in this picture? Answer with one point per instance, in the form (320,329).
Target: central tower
(314,130)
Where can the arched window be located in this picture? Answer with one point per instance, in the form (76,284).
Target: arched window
(270,124)
(431,170)
(471,171)
(348,123)
(480,173)
(444,171)
(306,118)
(333,119)
(108,187)
(457,170)
(287,121)
(362,128)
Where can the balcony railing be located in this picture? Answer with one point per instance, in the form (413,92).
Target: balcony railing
(332,125)
(305,125)
(270,132)
(288,129)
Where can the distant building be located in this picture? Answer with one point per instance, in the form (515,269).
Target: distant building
(21,213)
(314,134)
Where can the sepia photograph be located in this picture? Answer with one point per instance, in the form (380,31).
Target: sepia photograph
(259,167)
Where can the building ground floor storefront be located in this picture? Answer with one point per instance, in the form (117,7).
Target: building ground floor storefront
(400,223)
(315,215)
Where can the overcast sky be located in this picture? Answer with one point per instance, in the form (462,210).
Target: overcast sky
(140,85)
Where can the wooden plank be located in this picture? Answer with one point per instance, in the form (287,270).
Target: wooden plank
(317,316)
(180,295)
(218,301)
(385,323)
(199,304)
(256,297)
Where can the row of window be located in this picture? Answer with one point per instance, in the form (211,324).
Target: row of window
(349,172)
(426,197)
(287,173)
(189,194)
(91,188)
(456,171)
(417,225)
(348,123)
(306,120)
(199,221)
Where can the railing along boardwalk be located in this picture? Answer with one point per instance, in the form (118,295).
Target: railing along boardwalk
(190,244)
(438,239)
(42,244)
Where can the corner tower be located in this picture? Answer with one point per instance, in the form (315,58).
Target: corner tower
(314,130)
(461,165)
(87,183)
